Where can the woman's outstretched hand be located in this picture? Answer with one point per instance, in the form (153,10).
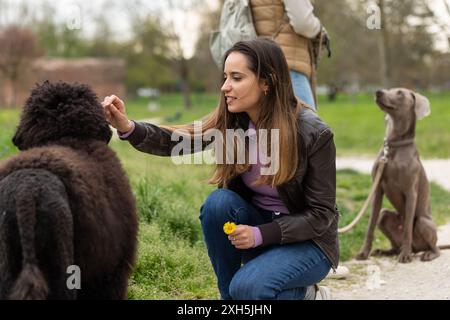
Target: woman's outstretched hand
(115,113)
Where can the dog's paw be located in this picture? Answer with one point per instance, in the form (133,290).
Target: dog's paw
(429,255)
(362,255)
(405,257)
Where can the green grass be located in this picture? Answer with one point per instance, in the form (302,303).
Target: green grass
(172,258)
(173,261)
(8,122)
(170,268)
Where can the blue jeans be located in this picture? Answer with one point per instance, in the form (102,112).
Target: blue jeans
(274,272)
(302,88)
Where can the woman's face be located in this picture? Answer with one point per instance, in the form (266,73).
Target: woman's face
(241,87)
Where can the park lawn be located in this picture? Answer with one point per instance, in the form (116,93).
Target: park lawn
(172,259)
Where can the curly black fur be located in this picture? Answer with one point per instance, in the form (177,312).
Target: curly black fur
(61,110)
(65,200)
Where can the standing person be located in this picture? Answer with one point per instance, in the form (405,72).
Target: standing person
(295,36)
(286,233)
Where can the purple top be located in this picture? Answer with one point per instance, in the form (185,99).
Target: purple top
(265,196)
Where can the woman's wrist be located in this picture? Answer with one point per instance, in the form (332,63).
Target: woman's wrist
(257,236)
(128,131)
(127,128)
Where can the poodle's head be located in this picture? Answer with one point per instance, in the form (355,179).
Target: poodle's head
(55,111)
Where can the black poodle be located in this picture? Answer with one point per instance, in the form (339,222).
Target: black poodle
(67,212)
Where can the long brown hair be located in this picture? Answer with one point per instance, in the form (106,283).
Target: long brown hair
(278,110)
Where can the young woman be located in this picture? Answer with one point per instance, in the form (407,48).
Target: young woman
(285,241)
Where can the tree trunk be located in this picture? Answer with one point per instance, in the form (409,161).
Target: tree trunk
(184,73)
(9,90)
(383,48)
(14,83)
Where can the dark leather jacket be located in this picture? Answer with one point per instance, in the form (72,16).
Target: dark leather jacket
(310,196)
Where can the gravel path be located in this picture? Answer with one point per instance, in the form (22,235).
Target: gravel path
(386,279)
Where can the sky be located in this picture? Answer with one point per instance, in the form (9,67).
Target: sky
(82,13)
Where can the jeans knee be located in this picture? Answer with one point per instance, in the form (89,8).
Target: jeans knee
(239,290)
(218,204)
(248,289)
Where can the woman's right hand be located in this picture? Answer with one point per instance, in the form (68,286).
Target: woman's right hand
(115,113)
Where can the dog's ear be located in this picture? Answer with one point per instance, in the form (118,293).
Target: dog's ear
(421,106)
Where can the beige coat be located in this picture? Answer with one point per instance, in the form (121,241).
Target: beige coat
(268,17)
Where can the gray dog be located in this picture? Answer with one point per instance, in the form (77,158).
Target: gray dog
(409,227)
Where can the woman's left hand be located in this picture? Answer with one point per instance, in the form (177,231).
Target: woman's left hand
(242,237)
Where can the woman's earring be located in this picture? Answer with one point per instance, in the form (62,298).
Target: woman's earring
(265,92)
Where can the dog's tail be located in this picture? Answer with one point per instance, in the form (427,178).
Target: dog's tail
(444,247)
(30,284)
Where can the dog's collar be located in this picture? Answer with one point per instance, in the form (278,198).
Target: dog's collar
(398,143)
(390,144)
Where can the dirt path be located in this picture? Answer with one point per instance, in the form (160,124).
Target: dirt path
(385,278)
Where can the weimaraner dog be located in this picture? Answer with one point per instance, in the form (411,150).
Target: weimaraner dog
(409,227)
